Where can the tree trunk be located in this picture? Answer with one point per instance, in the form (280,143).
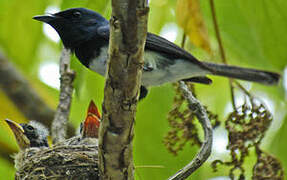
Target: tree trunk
(128,28)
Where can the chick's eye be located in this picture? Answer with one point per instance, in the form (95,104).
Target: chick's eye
(30,128)
(77,14)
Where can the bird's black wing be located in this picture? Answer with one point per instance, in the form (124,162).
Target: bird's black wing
(159,44)
(104,32)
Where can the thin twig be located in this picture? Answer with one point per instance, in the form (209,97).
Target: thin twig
(205,150)
(232,93)
(183,40)
(221,49)
(215,24)
(243,89)
(59,124)
(195,106)
(27,100)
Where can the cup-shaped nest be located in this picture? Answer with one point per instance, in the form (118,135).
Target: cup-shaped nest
(72,159)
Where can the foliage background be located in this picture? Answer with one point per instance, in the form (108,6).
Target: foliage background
(253,33)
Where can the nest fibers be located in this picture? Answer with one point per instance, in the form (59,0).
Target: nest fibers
(71,159)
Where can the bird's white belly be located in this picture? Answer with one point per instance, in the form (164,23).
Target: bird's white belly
(99,64)
(182,69)
(171,71)
(179,69)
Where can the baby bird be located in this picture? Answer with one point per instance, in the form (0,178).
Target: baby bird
(90,127)
(29,135)
(63,161)
(31,138)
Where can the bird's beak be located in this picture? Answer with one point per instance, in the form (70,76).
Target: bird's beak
(93,109)
(92,122)
(91,126)
(22,140)
(46,18)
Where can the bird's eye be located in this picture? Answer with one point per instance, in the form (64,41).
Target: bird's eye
(30,128)
(77,14)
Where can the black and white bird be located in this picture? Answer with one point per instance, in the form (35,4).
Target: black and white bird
(87,34)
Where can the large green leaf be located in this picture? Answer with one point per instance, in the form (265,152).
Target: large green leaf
(19,34)
(252,31)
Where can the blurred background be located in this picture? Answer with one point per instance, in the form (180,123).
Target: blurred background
(253,34)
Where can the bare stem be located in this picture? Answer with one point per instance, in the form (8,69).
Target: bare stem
(205,150)
(232,93)
(25,98)
(221,49)
(59,124)
(183,40)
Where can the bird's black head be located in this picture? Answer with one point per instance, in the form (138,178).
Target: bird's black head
(74,25)
(29,135)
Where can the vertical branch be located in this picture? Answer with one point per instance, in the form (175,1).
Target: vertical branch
(128,28)
(59,124)
(221,49)
(26,99)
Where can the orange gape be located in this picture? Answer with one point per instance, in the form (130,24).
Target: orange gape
(93,109)
(92,122)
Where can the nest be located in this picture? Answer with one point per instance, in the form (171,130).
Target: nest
(72,159)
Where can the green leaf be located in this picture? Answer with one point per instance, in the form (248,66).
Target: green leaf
(19,33)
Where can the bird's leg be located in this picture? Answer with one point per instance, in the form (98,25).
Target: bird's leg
(143,92)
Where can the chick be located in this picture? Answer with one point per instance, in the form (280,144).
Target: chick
(29,135)
(90,127)
(31,138)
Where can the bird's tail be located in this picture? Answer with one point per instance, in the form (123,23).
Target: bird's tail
(264,77)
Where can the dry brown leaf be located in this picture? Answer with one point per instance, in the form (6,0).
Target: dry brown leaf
(189,17)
